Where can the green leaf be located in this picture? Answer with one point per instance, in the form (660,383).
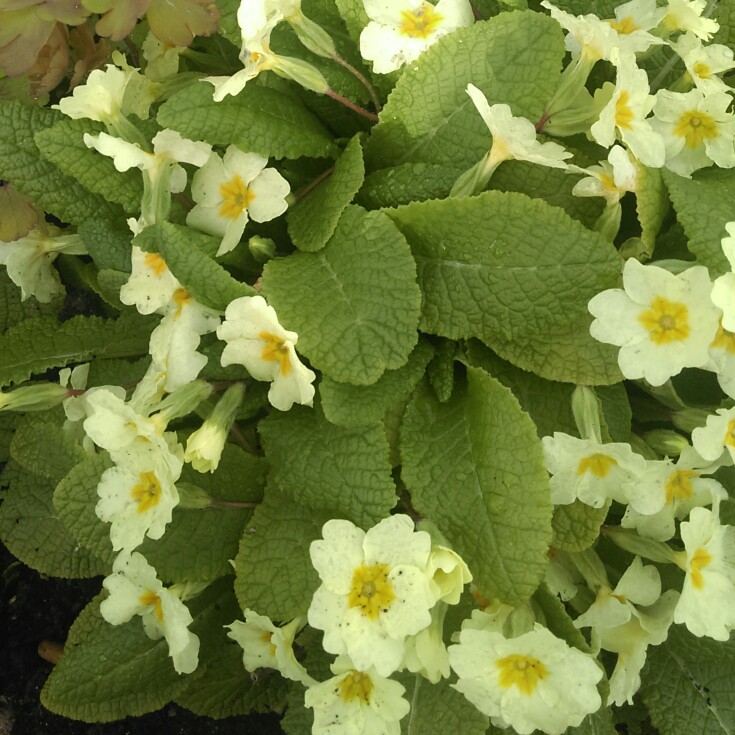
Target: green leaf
(616,411)
(274,572)
(441,370)
(688,685)
(34,345)
(314,219)
(704,206)
(259,119)
(503,264)
(75,499)
(22,164)
(108,244)
(567,353)
(113,671)
(474,467)
(13,310)
(7,429)
(63,145)
(355,304)
(556,618)
(725,15)
(577,525)
(652,203)
(514,58)
(33,533)
(220,686)
(354,15)
(598,723)
(354,405)
(409,182)
(437,709)
(548,403)
(342,471)
(183,249)
(42,447)
(552,185)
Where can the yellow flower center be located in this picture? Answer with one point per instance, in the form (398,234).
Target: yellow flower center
(666,321)
(356,685)
(598,464)
(267,637)
(181,297)
(156,263)
(275,350)
(420,23)
(679,485)
(370,590)
(724,340)
(696,127)
(730,436)
(608,182)
(699,561)
(523,672)
(150,598)
(624,25)
(702,70)
(235,197)
(146,492)
(624,112)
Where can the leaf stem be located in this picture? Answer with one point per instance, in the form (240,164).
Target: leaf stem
(360,78)
(347,103)
(233,504)
(301,193)
(239,437)
(414,702)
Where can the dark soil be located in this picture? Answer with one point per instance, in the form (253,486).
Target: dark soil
(34,608)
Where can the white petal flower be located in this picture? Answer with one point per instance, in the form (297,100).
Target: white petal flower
(138,495)
(448,574)
(29,259)
(610,180)
(425,652)
(662,322)
(356,702)
(704,63)
(135,590)
(232,190)
(375,590)
(174,342)
(151,284)
(514,137)
(625,116)
(632,22)
(681,487)
(716,435)
(100,98)
(707,603)
(534,681)
(723,291)
(256,340)
(265,645)
(399,31)
(686,15)
(722,356)
(256,17)
(584,470)
(697,130)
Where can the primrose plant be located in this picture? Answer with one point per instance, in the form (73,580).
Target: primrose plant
(378,358)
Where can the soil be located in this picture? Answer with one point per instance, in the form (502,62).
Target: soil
(34,609)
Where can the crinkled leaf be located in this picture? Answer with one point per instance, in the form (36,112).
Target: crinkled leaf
(34,345)
(616,411)
(314,219)
(503,264)
(437,709)
(41,446)
(33,533)
(355,303)
(108,244)
(567,353)
(704,206)
(577,525)
(7,429)
(13,310)
(17,213)
(474,466)
(514,58)
(259,119)
(441,370)
(113,671)
(354,405)
(274,571)
(208,282)
(688,685)
(556,618)
(652,203)
(63,145)
(22,164)
(342,471)
(75,498)
(409,182)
